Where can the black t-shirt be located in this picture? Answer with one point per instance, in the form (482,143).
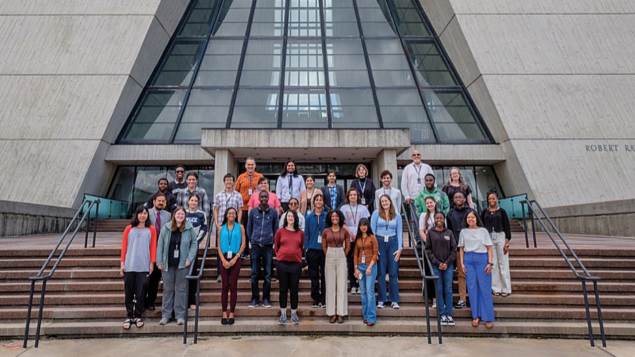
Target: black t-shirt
(175,241)
(451,190)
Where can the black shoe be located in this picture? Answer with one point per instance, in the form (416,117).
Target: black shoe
(223,321)
(254,303)
(266,303)
(316,305)
(151,308)
(230,321)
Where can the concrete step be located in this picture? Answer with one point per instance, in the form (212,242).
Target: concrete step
(407,311)
(320,326)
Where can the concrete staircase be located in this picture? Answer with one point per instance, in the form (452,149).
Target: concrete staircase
(86,298)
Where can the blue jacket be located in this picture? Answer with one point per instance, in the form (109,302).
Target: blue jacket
(262,226)
(312,229)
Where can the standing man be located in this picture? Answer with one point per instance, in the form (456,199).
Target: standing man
(261,228)
(158,217)
(412,180)
(274,202)
(289,184)
(189,190)
(441,198)
(455,222)
(179,182)
(246,185)
(333,194)
(226,199)
(170,199)
(387,189)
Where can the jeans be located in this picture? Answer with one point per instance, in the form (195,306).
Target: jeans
(444,289)
(174,293)
(367,286)
(479,286)
(387,265)
(261,256)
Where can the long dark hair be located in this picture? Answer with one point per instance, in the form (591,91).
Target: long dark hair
(284,169)
(225,216)
(479,223)
(135,218)
(296,223)
(364,222)
(339,213)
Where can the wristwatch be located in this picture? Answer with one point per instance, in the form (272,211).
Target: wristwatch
(490,263)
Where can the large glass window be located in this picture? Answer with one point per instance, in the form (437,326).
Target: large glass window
(304,64)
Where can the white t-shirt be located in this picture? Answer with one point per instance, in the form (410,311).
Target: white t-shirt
(475,240)
(352,216)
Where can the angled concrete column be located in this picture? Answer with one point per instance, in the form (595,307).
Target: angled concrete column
(224,163)
(386,160)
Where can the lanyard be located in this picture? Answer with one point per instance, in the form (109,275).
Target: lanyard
(228,198)
(387,222)
(178,241)
(231,235)
(418,171)
(360,185)
(338,239)
(364,245)
(354,214)
(317,232)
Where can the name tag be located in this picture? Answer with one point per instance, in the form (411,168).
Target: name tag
(419,181)
(386,238)
(251,191)
(446,237)
(493,235)
(319,239)
(176,254)
(230,254)
(363,200)
(363,259)
(352,239)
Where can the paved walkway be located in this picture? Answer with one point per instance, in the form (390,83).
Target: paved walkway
(277,346)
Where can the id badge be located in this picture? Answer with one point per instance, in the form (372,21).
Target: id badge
(230,254)
(363,200)
(363,259)
(352,239)
(319,239)
(493,234)
(176,254)
(386,238)
(251,192)
(419,181)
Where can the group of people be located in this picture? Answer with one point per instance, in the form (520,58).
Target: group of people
(351,239)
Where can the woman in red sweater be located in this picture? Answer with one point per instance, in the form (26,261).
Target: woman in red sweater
(289,244)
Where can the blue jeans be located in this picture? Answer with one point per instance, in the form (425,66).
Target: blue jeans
(261,256)
(444,289)
(479,286)
(386,264)
(367,286)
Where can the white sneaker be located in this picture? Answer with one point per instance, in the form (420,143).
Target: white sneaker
(444,321)
(380,305)
(353,290)
(434,303)
(450,321)
(395,305)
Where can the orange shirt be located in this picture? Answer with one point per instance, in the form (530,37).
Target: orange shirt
(243,184)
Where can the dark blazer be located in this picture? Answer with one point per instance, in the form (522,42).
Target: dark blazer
(327,197)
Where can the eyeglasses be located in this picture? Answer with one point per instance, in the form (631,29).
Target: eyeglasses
(416,155)
(293,204)
(180,172)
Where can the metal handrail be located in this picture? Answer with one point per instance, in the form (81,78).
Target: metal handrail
(45,278)
(197,278)
(583,278)
(413,228)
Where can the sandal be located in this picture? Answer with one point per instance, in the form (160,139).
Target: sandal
(333,319)
(489,325)
(504,294)
(139,321)
(475,322)
(126,324)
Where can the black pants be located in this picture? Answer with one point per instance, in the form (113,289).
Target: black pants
(153,287)
(243,221)
(289,278)
(351,268)
(315,258)
(135,285)
(191,296)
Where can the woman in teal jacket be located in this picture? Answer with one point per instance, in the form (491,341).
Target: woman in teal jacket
(176,250)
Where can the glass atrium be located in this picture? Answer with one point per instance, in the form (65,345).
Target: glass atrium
(317,64)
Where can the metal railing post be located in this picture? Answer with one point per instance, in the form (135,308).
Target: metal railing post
(588,313)
(600,320)
(198,296)
(425,294)
(187,297)
(95,222)
(28,315)
(87,225)
(522,204)
(533,226)
(39,316)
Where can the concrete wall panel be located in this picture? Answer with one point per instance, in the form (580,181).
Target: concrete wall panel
(460,52)
(541,6)
(78,7)
(439,12)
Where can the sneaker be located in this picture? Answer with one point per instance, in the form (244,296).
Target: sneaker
(282,320)
(294,318)
(180,321)
(266,303)
(434,303)
(254,303)
(395,305)
(218,279)
(444,321)
(353,290)
(322,304)
(450,321)
(315,305)
(380,305)
(164,322)
(460,305)
(359,291)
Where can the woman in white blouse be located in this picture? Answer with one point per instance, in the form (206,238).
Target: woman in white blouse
(475,255)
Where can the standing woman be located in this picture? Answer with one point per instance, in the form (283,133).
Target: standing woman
(496,222)
(353,214)
(441,250)
(138,255)
(366,186)
(387,225)
(306,196)
(176,250)
(289,184)
(366,253)
(336,244)
(475,255)
(231,243)
(457,183)
(427,222)
(289,245)
(314,227)
(198,220)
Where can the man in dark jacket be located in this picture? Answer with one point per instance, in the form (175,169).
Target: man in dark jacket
(333,193)
(170,199)
(456,222)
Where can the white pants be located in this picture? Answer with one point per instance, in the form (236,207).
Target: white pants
(501,281)
(335,275)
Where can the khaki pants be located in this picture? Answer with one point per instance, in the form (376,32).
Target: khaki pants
(462,284)
(501,281)
(335,276)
